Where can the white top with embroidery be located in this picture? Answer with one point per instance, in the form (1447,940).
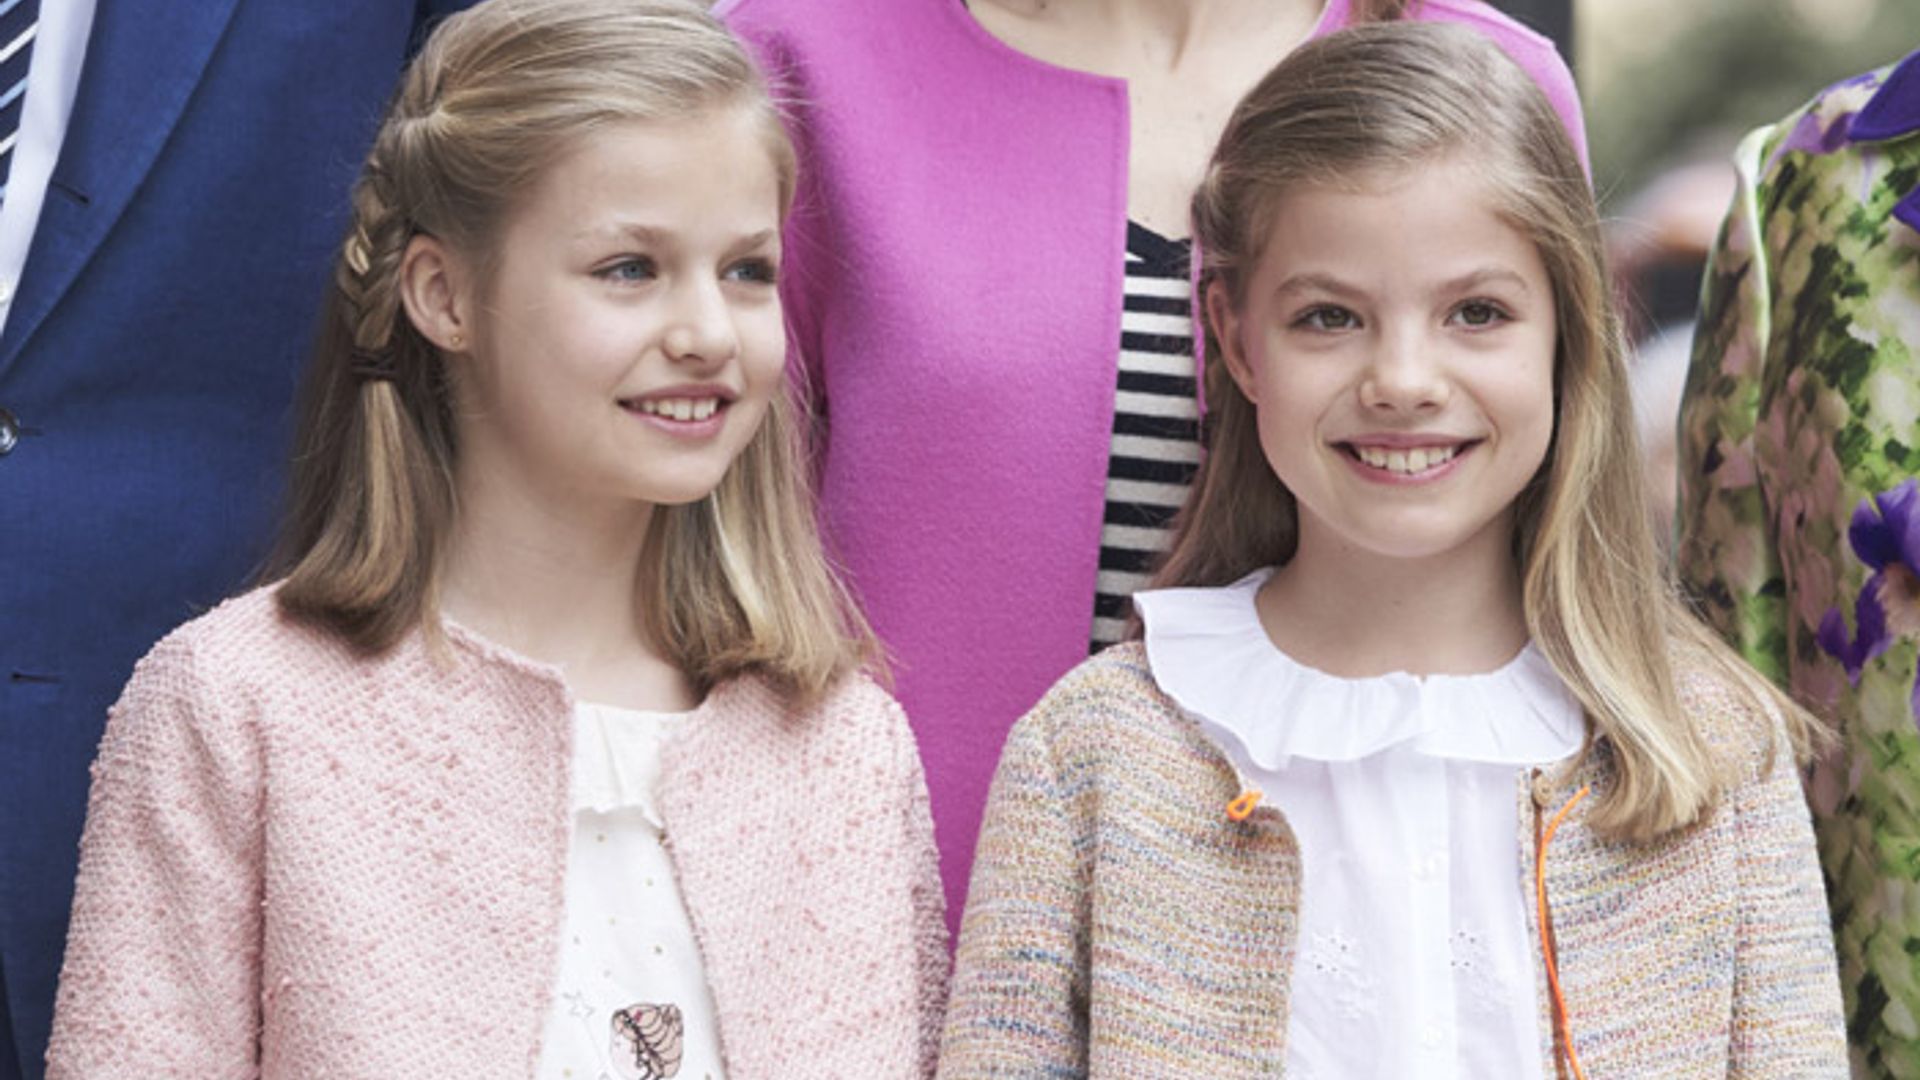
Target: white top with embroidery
(631,1001)
(1402,791)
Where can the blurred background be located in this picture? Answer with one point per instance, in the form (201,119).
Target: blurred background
(1670,86)
(1667,82)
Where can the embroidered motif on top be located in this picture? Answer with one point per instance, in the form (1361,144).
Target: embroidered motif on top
(1335,961)
(1484,988)
(647,1042)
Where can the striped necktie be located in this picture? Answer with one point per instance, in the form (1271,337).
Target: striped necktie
(19,19)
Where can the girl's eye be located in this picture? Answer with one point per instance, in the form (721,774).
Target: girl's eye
(1327,317)
(757,271)
(1480,313)
(629,270)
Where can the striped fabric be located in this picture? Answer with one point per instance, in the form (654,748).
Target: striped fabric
(1156,426)
(19,20)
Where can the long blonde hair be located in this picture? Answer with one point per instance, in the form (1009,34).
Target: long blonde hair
(738,579)
(1597,600)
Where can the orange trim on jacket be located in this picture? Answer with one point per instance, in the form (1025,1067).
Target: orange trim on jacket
(1563,1023)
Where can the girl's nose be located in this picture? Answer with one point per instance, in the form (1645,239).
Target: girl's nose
(1403,376)
(702,329)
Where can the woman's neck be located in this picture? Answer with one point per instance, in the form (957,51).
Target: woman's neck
(557,578)
(1132,37)
(1358,614)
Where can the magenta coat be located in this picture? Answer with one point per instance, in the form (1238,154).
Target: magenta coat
(953,277)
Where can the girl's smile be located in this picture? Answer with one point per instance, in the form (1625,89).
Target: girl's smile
(686,412)
(1402,459)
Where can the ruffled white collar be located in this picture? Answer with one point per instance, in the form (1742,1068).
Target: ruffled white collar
(616,757)
(1209,653)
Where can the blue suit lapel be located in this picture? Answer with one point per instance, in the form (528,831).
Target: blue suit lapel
(144,59)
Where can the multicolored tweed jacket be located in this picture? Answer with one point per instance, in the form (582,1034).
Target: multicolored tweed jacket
(1799,515)
(1119,925)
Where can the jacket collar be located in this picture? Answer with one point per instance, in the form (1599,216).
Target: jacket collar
(142,64)
(1892,112)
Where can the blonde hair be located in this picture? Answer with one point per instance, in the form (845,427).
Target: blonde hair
(498,92)
(1366,11)
(1597,600)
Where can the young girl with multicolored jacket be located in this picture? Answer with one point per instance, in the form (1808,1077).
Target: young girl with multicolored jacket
(548,753)
(1419,768)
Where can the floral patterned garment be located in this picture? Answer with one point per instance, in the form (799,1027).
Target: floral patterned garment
(1799,516)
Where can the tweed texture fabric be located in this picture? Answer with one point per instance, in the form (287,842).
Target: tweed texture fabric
(1119,925)
(300,862)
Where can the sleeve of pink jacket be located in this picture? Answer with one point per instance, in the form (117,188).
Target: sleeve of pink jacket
(162,970)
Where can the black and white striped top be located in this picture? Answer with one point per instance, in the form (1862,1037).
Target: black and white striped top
(1156,426)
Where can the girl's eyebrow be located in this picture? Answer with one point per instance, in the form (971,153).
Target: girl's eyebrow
(623,230)
(655,236)
(1486,275)
(759,239)
(1314,281)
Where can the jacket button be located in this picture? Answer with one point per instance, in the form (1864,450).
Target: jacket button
(1542,786)
(9,432)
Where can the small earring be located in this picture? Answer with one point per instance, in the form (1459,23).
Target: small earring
(458,340)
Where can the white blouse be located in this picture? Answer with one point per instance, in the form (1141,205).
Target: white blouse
(1413,956)
(631,1001)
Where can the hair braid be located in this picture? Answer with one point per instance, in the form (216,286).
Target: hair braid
(369,555)
(368,272)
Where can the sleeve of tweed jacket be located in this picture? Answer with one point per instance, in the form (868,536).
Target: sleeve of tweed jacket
(163,954)
(929,898)
(1787,1019)
(1019,977)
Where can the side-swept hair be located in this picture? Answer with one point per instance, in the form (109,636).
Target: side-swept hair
(737,580)
(1598,601)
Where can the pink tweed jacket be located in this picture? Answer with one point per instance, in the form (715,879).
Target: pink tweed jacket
(303,863)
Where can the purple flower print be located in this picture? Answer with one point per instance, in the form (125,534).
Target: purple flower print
(1809,136)
(1885,534)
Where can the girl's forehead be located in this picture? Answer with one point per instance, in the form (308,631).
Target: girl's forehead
(641,165)
(1466,174)
(1429,216)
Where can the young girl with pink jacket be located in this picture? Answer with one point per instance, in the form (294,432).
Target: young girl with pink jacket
(548,752)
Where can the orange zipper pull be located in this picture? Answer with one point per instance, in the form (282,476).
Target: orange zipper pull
(1242,806)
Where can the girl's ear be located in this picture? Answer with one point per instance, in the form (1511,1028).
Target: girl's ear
(1225,323)
(433,289)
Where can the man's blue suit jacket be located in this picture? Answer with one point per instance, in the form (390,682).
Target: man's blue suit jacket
(151,358)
